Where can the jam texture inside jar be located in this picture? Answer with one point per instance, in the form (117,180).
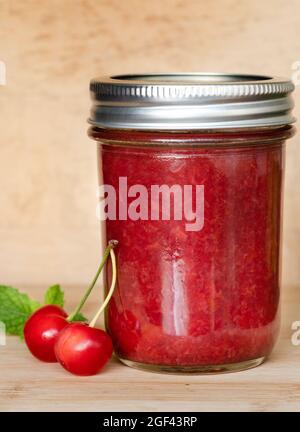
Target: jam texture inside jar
(199,261)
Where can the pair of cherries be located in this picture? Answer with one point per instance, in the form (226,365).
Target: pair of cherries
(81,349)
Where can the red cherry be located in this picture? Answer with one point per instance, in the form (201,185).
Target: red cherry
(50,310)
(41,330)
(83,350)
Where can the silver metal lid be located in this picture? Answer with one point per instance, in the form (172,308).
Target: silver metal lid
(190,101)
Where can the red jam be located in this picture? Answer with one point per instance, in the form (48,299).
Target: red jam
(207,297)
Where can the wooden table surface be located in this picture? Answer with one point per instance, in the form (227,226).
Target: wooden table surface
(29,385)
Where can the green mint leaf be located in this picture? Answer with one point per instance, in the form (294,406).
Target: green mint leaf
(15,309)
(54,296)
(79,317)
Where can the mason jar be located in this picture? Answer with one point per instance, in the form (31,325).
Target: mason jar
(191,171)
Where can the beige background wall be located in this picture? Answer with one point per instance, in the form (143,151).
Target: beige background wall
(51,48)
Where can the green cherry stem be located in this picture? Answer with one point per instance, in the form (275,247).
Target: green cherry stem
(111,289)
(108,249)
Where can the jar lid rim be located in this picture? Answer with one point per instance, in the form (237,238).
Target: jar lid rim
(190,101)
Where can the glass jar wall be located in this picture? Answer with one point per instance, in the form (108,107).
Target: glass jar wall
(197,214)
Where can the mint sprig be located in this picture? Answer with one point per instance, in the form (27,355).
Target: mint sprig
(16,307)
(55,296)
(79,317)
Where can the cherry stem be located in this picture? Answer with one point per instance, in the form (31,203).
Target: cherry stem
(108,249)
(111,289)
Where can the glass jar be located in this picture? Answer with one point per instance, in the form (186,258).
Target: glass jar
(191,168)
